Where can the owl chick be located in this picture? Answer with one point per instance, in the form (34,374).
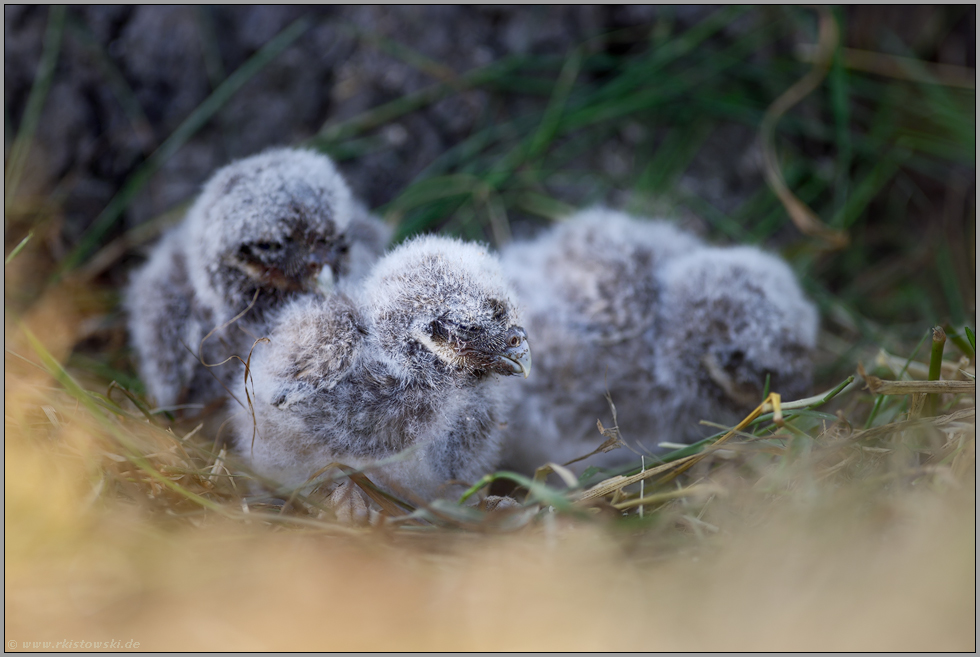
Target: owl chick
(591,293)
(260,233)
(416,362)
(732,317)
(647,313)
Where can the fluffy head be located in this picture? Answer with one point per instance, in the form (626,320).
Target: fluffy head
(441,307)
(269,222)
(732,316)
(594,273)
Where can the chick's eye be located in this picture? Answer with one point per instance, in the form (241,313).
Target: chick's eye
(438,329)
(267,246)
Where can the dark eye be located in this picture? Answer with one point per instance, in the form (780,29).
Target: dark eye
(438,329)
(267,246)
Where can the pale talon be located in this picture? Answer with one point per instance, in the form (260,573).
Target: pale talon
(349,504)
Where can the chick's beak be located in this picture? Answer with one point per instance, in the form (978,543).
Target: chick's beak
(516,357)
(315,261)
(321,264)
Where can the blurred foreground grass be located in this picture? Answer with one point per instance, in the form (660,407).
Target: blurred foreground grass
(845,525)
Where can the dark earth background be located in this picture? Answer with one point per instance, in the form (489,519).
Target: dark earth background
(90,144)
(127,77)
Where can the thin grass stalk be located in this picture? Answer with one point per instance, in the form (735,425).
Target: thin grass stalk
(936,365)
(35,103)
(197,120)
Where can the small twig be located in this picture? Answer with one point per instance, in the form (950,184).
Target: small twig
(690,491)
(881,387)
(916,404)
(618,482)
(915,369)
(643,466)
(803,217)
(892,66)
(942,420)
(614,440)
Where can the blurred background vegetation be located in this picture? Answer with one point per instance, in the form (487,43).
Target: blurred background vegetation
(486,123)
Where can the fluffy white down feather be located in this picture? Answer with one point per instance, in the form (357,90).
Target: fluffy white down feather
(284,206)
(366,380)
(636,307)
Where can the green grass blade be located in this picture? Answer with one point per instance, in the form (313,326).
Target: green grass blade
(35,103)
(951,289)
(868,188)
(197,119)
(114,78)
(18,248)
(552,116)
(88,400)
(841,106)
(409,103)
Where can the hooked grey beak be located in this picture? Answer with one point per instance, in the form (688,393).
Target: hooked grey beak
(516,358)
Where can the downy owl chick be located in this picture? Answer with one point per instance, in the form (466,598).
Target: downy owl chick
(260,233)
(674,330)
(592,296)
(731,318)
(415,359)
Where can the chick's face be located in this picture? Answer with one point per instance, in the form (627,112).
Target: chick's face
(272,222)
(441,306)
(736,345)
(290,261)
(484,340)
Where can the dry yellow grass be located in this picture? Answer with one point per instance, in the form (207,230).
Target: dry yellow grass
(874,554)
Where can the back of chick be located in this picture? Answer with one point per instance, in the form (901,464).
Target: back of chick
(592,297)
(675,331)
(166,325)
(732,318)
(260,233)
(416,363)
